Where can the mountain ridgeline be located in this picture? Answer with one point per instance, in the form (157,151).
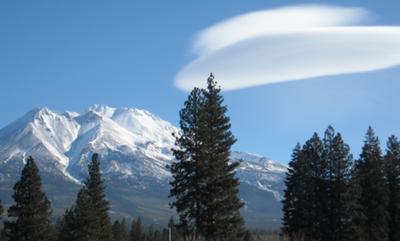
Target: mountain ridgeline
(134,148)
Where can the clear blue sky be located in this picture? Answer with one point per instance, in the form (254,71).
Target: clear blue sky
(68,55)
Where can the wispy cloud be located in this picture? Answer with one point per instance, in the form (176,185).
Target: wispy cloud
(290,43)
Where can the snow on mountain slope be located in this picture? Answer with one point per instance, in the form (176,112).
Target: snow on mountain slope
(261,172)
(131,152)
(41,133)
(40,127)
(133,144)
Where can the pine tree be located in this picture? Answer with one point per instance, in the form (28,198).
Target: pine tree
(357,228)
(369,176)
(339,162)
(85,216)
(187,170)
(392,162)
(204,184)
(136,233)
(314,188)
(88,219)
(222,220)
(327,181)
(291,225)
(120,232)
(298,207)
(95,189)
(31,210)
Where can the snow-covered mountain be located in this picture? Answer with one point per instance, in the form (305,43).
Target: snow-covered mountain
(134,146)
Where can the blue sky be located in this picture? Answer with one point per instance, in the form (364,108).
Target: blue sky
(68,55)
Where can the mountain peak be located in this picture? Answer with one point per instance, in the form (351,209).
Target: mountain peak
(36,112)
(103,110)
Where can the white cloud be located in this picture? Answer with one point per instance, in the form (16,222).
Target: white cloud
(288,44)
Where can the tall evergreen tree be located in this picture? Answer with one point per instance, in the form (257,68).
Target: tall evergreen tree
(327,180)
(95,189)
(369,175)
(293,197)
(31,211)
(88,219)
(392,162)
(204,184)
(120,231)
(298,203)
(222,220)
(87,222)
(187,171)
(314,184)
(357,228)
(339,162)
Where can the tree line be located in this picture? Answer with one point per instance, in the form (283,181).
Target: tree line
(329,196)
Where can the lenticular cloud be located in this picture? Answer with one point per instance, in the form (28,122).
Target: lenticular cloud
(287,44)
